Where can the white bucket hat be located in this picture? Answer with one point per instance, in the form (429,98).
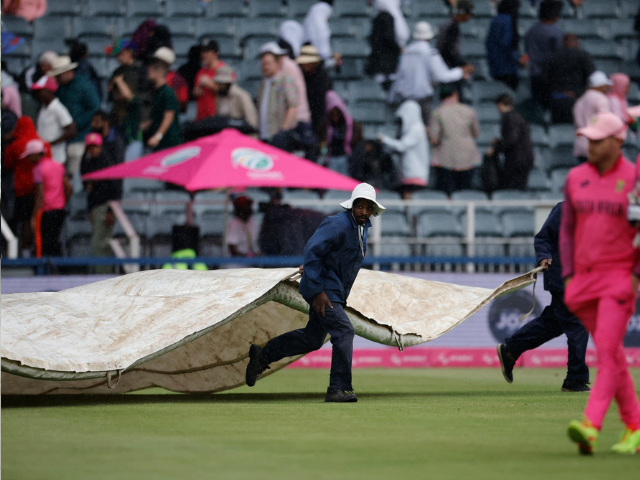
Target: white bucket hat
(60,65)
(366,191)
(423,31)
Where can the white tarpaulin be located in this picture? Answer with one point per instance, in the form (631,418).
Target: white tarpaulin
(190,331)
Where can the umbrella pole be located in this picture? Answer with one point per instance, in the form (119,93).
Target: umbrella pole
(226,222)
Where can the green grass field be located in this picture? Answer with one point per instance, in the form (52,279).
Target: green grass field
(408,424)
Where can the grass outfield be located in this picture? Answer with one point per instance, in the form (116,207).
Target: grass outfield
(409,424)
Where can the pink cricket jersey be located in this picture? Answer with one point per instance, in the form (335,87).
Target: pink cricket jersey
(594,232)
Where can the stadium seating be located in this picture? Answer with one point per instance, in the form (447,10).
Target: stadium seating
(180,8)
(438,225)
(395,225)
(64,8)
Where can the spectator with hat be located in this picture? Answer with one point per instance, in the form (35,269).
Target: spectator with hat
(32,74)
(318,84)
(541,41)
(79,53)
(205,88)
(162,130)
(243,230)
(23,187)
(592,102)
(420,68)
(55,124)
(101,192)
(129,73)
(177,83)
(77,93)
(231,100)
(53,190)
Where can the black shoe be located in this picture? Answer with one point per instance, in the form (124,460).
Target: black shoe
(575,386)
(506,362)
(340,396)
(256,365)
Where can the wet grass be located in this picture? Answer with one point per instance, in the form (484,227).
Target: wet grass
(408,424)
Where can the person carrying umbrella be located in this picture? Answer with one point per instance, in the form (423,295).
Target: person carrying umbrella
(332,258)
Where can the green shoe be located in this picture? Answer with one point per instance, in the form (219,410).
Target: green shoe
(585,435)
(629,442)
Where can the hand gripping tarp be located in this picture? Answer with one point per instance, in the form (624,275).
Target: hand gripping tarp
(190,331)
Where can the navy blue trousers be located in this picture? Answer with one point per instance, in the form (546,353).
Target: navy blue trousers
(555,320)
(310,338)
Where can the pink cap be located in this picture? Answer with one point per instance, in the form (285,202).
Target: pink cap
(93,139)
(45,83)
(634,111)
(33,146)
(604,125)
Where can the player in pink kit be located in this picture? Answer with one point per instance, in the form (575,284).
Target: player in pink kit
(601,269)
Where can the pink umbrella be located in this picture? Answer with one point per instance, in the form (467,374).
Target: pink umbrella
(228,159)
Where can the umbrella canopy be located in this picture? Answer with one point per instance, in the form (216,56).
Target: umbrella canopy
(228,160)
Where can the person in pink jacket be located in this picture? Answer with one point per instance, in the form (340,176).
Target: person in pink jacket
(601,269)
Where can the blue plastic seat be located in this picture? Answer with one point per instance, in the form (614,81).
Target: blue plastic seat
(604,49)
(561,135)
(267,8)
(366,90)
(215,27)
(560,157)
(518,225)
(298,9)
(538,181)
(394,225)
(438,225)
(558,178)
(351,47)
(102,8)
(486,225)
(429,10)
(512,195)
(181,8)
(488,92)
(351,9)
(259,27)
(18,26)
(56,28)
(63,8)
(595,9)
(226,8)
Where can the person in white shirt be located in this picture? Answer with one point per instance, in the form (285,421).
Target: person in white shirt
(318,33)
(55,124)
(243,230)
(420,68)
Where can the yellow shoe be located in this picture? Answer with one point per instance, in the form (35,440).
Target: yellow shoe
(585,435)
(629,442)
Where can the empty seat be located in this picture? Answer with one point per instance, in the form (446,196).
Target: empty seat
(384,195)
(600,10)
(473,49)
(351,9)
(63,8)
(181,46)
(560,157)
(430,195)
(351,47)
(394,225)
(183,27)
(163,227)
(428,10)
(100,8)
(299,8)
(252,47)
(483,10)
(395,250)
(439,225)
(51,28)
(486,225)
(601,49)
(609,66)
(171,202)
(352,70)
(504,195)
(366,90)
(518,225)
(18,26)
(487,248)
(345,27)
(143,8)
(259,27)
(585,28)
(96,46)
(78,235)
(267,8)
(538,181)
(211,225)
(561,135)
(539,136)
(228,48)
(215,27)
(488,92)
(368,114)
(225,8)
(476,195)
(137,221)
(135,203)
(558,178)
(39,46)
(445,247)
(94,27)
(180,8)
(77,206)
(487,113)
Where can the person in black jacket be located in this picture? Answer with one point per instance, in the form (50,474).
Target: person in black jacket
(101,192)
(515,145)
(555,320)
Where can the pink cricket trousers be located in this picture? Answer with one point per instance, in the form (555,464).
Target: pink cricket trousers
(604,302)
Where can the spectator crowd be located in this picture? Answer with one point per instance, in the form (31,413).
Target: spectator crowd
(59,121)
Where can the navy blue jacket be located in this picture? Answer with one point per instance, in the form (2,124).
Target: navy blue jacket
(546,245)
(332,258)
(501,56)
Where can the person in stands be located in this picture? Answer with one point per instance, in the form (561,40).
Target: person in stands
(243,231)
(53,190)
(592,102)
(231,100)
(339,134)
(205,88)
